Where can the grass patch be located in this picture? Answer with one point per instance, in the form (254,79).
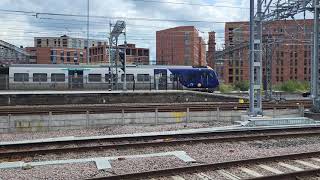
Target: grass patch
(293,86)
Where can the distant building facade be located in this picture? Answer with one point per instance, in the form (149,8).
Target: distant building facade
(98,55)
(56,55)
(211,48)
(134,55)
(290,45)
(66,42)
(180,46)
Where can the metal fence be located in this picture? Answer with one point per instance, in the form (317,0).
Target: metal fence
(52,122)
(87,83)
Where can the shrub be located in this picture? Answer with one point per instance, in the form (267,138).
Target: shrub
(241,85)
(225,88)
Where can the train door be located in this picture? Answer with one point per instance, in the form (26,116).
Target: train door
(4,78)
(160,79)
(75,79)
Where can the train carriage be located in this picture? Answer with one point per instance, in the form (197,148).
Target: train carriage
(99,77)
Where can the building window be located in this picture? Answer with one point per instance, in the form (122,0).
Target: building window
(134,52)
(128,52)
(107,78)
(38,42)
(21,77)
(64,42)
(143,77)
(68,56)
(39,77)
(62,57)
(129,77)
(94,77)
(57,77)
(146,52)
(75,58)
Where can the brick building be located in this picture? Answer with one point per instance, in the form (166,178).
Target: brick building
(66,42)
(211,48)
(180,46)
(56,55)
(134,55)
(289,43)
(68,50)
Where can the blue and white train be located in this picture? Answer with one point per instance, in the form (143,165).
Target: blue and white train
(64,76)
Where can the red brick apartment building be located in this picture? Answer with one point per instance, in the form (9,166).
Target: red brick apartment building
(290,45)
(180,46)
(56,55)
(98,54)
(134,55)
(211,49)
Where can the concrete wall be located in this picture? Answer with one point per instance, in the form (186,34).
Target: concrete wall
(105,97)
(79,121)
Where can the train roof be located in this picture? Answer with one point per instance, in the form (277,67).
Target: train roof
(98,66)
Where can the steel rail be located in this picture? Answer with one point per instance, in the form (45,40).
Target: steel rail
(140,142)
(206,167)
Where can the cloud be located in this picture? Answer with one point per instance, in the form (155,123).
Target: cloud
(20,29)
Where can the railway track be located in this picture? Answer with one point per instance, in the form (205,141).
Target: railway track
(10,152)
(289,166)
(116,108)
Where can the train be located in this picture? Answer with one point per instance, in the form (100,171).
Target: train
(138,77)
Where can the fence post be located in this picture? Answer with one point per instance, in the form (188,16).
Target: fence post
(87,119)
(7,82)
(50,120)
(301,110)
(122,117)
(9,122)
(211,118)
(218,114)
(274,112)
(188,116)
(156,116)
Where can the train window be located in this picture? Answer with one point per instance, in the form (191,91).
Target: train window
(107,77)
(172,77)
(129,77)
(143,77)
(94,77)
(58,77)
(21,77)
(40,77)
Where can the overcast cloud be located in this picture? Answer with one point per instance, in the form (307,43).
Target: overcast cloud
(20,28)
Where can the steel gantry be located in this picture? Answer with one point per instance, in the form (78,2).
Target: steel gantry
(269,10)
(114,53)
(11,54)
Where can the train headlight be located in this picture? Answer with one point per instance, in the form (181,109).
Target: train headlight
(199,84)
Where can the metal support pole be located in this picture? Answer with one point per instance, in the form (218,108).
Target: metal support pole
(125,61)
(255,59)
(258,65)
(88,9)
(110,60)
(315,59)
(251,58)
